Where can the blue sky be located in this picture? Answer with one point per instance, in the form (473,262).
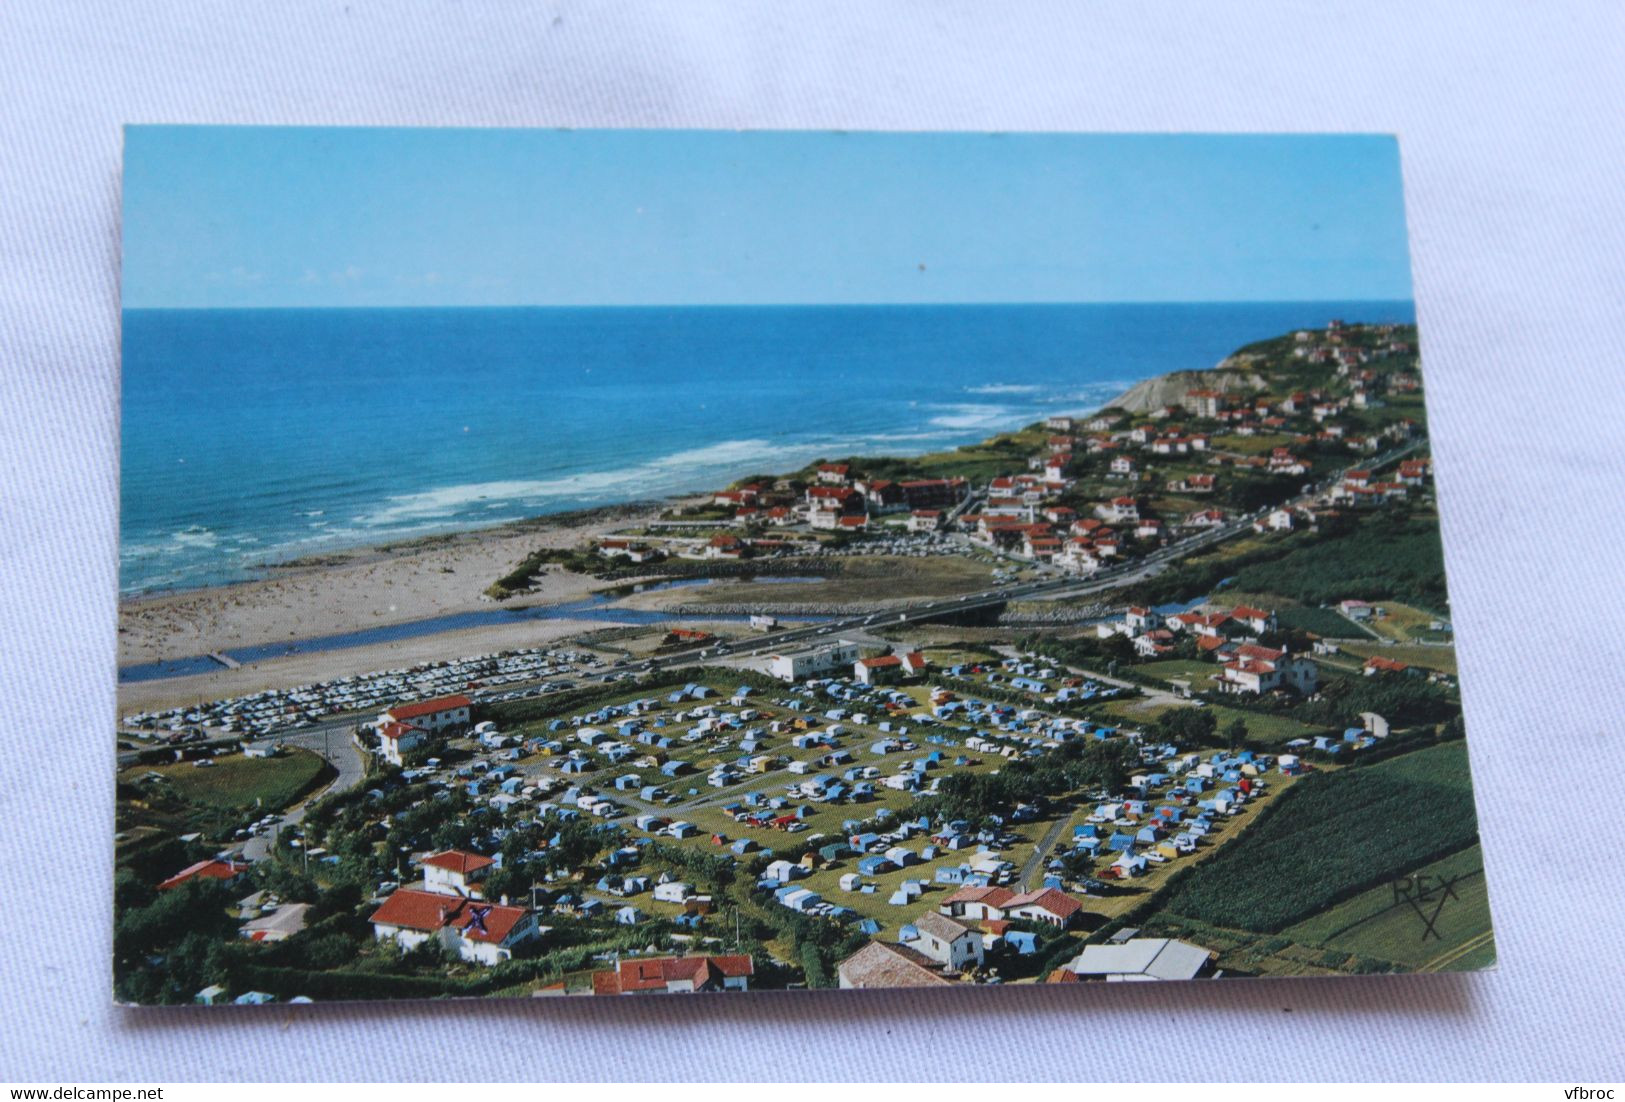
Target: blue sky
(251,217)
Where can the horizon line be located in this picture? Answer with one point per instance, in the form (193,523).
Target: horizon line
(1411,299)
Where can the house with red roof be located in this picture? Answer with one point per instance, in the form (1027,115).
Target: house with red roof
(1256,669)
(888,668)
(1119,510)
(724,547)
(1414,472)
(1078,555)
(484,933)
(1193,484)
(976,903)
(1377,664)
(455,872)
(675,975)
(433,715)
(395,739)
(925,520)
(214,868)
(1047,905)
(631,550)
(828,504)
(1037,542)
(1154,643)
(1256,618)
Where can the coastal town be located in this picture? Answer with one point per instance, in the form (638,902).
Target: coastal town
(1165,690)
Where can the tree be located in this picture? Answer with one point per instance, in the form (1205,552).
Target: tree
(1236,735)
(509,881)
(1188,726)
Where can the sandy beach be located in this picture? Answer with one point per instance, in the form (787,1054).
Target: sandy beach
(361,588)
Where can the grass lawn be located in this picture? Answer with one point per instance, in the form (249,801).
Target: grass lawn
(1264,727)
(1250,445)
(1197,672)
(1136,711)
(943,657)
(243,782)
(1320,621)
(1402,622)
(1377,923)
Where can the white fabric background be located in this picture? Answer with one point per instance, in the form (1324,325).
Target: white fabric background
(1514,153)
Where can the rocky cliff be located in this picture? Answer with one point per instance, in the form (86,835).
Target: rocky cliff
(1167,390)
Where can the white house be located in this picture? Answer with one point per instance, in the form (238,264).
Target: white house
(431,715)
(1256,669)
(1046,905)
(396,739)
(977,904)
(945,941)
(1119,510)
(1260,620)
(455,872)
(483,933)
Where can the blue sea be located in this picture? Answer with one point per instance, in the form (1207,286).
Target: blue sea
(256,436)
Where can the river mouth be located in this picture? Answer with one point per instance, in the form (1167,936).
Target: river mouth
(604,606)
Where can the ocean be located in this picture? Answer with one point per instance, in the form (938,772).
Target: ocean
(256,436)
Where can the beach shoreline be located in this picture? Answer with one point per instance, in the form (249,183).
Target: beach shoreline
(363,587)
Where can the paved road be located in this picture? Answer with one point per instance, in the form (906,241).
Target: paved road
(1035,863)
(333,742)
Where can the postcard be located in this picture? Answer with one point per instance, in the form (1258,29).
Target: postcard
(596,563)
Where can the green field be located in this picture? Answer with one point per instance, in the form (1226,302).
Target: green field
(238,782)
(1263,727)
(1377,923)
(1195,671)
(1320,621)
(1337,835)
